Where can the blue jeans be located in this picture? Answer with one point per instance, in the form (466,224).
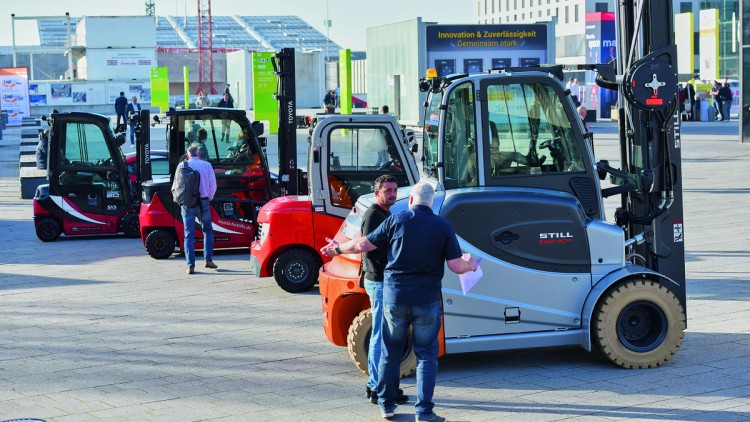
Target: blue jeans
(189,215)
(425,322)
(375,291)
(132,133)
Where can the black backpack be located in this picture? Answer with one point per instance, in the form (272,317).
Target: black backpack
(186,186)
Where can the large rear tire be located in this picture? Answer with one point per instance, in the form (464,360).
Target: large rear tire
(358,344)
(639,324)
(296,270)
(48,229)
(160,244)
(130,225)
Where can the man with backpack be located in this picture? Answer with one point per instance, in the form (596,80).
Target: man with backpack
(193,188)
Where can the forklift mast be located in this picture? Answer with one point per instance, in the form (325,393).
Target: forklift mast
(290,177)
(142,132)
(649,128)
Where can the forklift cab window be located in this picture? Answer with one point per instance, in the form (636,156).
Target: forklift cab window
(529,132)
(84,158)
(460,149)
(223,143)
(357,156)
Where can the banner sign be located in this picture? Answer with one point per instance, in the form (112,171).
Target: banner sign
(486,37)
(345,81)
(683,37)
(14,94)
(476,48)
(265,105)
(601,47)
(709,44)
(160,88)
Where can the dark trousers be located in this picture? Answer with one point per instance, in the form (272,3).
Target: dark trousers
(118,119)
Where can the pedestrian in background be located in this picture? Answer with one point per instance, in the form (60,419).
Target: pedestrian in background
(41,150)
(201,211)
(725,93)
(132,109)
(226,102)
(121,105)
(690,100)
(373,266)
(329,102)
(202,100)
(717,99)
(384,110)
(419,243)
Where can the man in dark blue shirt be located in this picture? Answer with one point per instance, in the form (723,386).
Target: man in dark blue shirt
(418,243)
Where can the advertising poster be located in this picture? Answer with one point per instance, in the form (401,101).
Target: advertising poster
(160,87)
(445,67)
(528,61)
(709,44)
(38,94)
(683,37)
(473,66)
(94,92)
(14,94)
(264,91)
(501,63)
(345,81)
(601,47)
(140,90)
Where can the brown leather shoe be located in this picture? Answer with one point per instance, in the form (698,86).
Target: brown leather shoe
(190,271)
(210,264)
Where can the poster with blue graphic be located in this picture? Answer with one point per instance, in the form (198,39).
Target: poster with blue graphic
(14,94)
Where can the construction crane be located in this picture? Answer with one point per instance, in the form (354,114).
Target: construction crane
(205,48)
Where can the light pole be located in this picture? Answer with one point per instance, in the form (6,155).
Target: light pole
(327,25)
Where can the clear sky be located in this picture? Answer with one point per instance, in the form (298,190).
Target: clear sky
(351,18)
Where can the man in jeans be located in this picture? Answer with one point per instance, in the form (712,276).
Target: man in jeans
(201,211)
(373,265)
(418,243)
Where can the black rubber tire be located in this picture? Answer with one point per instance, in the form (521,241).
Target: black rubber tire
(639,323)
(130,225)
(296,270)
(48,229)
(358,343)
(160,244)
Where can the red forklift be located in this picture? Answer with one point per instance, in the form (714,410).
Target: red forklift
(346,155)
(234,148)
(89,190)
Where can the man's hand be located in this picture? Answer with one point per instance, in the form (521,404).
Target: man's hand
(330,248)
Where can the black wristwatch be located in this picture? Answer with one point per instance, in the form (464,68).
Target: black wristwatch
(337,249)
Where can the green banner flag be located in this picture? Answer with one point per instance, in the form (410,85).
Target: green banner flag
(264,88)
(160,88)
(345,81)
(186,76)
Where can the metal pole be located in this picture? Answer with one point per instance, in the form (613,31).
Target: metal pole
(69,45)
(13,31)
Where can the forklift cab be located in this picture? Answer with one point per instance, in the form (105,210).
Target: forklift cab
(347,155)
(87,174)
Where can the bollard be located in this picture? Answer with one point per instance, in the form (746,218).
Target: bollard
(3,119)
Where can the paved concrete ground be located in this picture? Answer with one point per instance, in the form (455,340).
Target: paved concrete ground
(94,329)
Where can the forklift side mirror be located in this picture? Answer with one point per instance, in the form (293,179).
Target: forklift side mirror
(601,169)
(257,128)
(262,141)
(414,148)
(44,118)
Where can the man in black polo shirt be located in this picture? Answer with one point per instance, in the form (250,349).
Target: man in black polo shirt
(418,243)
(373,265)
